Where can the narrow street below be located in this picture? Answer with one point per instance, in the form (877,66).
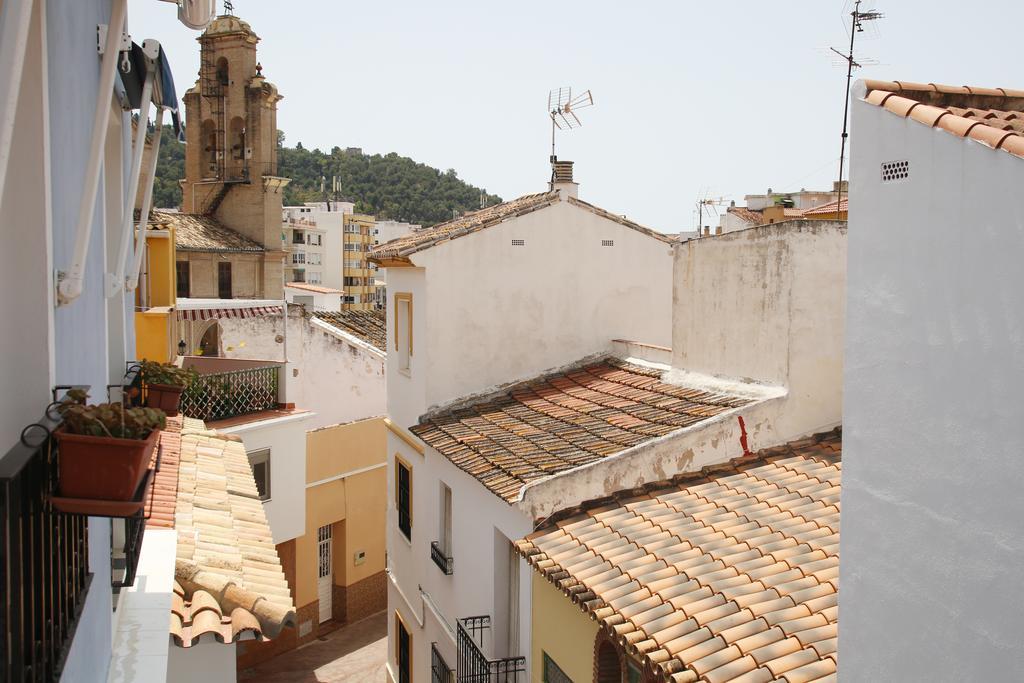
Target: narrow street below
(356,652)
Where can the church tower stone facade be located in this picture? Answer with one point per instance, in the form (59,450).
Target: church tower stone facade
(231,147)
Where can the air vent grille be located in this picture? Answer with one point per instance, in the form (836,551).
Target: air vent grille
(607,243)
(518,243)
(894,171)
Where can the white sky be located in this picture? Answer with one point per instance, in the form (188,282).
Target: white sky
(693,99)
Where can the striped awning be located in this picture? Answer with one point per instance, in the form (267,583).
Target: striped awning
(234,312)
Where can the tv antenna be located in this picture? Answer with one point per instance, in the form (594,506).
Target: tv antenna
(856,26)
(712,203)
(562,106)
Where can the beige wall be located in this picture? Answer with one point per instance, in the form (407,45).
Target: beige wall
(561,630)
(355,504)
(247,275)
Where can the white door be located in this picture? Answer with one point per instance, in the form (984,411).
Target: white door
(324,588)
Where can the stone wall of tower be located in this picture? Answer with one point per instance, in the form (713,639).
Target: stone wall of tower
(231,138)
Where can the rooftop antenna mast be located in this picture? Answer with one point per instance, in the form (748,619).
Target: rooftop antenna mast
(856,26)
(712,203)
(562,106)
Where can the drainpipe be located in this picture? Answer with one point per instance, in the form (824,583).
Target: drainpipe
(116,281)
(13,41)
(147,202)
(71,282)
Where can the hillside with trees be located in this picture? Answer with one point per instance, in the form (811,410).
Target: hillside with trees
(388,186)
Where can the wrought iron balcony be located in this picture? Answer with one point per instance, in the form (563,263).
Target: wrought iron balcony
(44,574)
(474,666)
(440,558)
(440,672)
(221,391)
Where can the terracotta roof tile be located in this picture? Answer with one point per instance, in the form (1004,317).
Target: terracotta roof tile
(229,581)
(737,592)
(163,498)
(993,116)
(747,215)
(369,326)
(561,421)
(193,232)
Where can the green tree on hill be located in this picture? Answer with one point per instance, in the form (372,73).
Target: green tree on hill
(388,186)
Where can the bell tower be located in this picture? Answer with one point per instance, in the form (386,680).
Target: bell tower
(231,141)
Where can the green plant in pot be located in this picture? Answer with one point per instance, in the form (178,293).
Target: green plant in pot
(164,384)
(105,449)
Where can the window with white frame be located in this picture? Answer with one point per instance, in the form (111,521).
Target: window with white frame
(403,329)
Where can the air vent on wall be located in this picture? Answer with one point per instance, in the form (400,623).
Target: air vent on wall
(518,243)
(893,171)
(607,243)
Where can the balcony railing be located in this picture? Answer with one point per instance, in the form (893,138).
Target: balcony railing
(440,672)
(440,558)
(473,665)
(220,395)
(44,554)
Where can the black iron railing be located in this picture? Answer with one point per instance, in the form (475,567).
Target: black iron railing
(440,672)
(44,574)
(227,394)
(473,665)
(440,558)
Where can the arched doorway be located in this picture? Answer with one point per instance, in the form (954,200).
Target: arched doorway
(609,665)
(209,344)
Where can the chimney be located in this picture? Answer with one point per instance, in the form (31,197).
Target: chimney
(561,178)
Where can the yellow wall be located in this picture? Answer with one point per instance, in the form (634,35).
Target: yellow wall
(355,504)
(161,273)
(152,337)
(561,629)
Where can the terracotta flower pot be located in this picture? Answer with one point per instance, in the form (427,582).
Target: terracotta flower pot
(101,467)
(165,397)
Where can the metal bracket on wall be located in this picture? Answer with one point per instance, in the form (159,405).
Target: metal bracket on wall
(101,39)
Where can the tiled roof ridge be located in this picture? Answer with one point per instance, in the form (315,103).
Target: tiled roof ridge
(367,326)
(163,498)
(198,232)
(402,247)
(831,207)
(230,595)
(621,220)
(734,576)
(708,472)
(956,110)
(563,420)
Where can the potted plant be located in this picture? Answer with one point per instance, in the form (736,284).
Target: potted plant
(105,449)
(164,384)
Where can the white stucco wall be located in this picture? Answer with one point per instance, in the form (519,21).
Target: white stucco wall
(425,591)
(498,313)
(406,391)
(334,376)
(932,541)
(286,439)
(766,304)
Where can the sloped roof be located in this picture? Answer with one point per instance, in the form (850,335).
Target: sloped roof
(560,421)
(401,247)
(831,207)
(425,238)
(727,574)
(993,116)
(193,232)
(369,326)
(229,583)
(316,289)
(746,215)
